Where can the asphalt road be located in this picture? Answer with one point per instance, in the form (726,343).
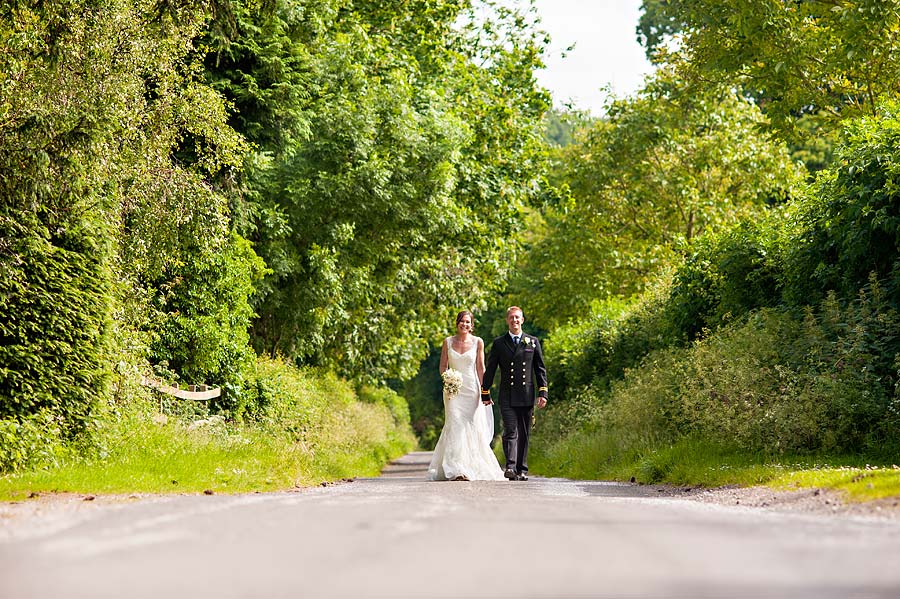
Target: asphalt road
(398,536)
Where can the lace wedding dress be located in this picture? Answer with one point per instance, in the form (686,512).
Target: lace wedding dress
(464,446)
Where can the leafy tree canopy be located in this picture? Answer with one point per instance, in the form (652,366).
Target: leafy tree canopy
(827,58)
(665,167)
(396,147)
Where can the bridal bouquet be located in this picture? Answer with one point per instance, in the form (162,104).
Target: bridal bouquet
(452,382)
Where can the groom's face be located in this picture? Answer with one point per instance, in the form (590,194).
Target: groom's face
(514,320)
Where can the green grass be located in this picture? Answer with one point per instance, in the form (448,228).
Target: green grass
(172,459)
(690,462)
(317,429)
(858,484)
(166,460)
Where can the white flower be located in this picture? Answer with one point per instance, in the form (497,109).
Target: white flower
(452,382)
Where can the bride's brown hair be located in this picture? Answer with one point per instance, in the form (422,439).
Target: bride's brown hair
(465,313)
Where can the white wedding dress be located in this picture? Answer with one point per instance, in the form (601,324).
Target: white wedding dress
(464,446)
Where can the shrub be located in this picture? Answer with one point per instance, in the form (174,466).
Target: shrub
(389,398)
(54,316)
(203,320)
(27,441)
(849,226)
(598,349)
(725,276)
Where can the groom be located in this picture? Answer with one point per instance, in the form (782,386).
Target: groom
(520,360)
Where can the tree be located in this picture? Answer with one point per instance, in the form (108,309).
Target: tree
(395,152)
(827,58)
(561,126)
(113,154)
(659,23)
(661,170)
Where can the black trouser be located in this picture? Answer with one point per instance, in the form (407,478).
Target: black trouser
(516,430)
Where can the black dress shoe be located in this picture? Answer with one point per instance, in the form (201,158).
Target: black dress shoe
(510,475)
(521,476)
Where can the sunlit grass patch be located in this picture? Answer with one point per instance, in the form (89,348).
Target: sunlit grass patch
(172,459)
(859,483)
(699,463)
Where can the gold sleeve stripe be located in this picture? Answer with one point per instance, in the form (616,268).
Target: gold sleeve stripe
(483,392)
(542,388)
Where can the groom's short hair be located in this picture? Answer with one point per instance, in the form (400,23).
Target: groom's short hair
(512,309)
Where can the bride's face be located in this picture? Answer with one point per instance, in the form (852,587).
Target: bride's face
(464,325)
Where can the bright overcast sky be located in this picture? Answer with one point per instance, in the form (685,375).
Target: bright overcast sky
(606,50)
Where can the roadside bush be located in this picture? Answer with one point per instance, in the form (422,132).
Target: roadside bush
(390,399)
(203,315)
(849,226)
(725,276)
(600,348)
(784,383)
(28,441)
(321,411)
(54,315)
(777,382)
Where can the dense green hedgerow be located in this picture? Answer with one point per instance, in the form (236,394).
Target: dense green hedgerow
(848,227)
(779,382)
(54,310)
(776,336)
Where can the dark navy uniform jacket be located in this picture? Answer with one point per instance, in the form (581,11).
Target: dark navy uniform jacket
(521,366)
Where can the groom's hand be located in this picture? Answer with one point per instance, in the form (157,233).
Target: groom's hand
(488,402)
(542,402)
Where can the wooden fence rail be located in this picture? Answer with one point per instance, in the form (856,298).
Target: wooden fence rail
(192,393)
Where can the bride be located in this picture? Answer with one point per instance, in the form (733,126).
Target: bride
(463,451)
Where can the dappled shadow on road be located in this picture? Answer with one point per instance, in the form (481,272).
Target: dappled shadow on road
(412,465)
(603,488)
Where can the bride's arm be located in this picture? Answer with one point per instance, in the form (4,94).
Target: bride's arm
(479,361)
(444,357)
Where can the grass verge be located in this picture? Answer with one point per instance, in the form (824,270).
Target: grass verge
(692,462)
(317,429)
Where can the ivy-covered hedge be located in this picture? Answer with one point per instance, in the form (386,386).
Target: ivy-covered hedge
(54,314)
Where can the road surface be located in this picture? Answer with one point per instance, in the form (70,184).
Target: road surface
(400,537)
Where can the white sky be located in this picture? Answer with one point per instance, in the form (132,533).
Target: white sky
(606,51)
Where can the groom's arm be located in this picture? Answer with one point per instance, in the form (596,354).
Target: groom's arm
(540,373)
(489,369)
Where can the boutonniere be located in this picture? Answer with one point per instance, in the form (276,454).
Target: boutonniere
(527,341)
